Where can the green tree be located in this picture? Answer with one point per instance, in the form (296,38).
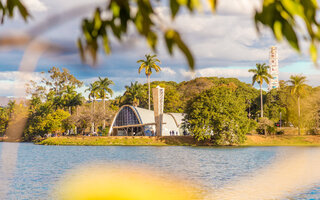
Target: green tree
(133,93)
(71,98)
(149,64)
(172,97)
(104,90)
(11,106)
(260,74)
(276,102)
(218,114)
(297,88)
(60,79)
(4,120)
(54,122)
(93,93)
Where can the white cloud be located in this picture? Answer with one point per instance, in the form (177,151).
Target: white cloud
(224,72)
(226,38)
(35,5)
(219,72)
(167,71)
(187,74)
(12,83)
(238,7)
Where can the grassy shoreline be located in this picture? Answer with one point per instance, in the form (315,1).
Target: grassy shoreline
(252,140)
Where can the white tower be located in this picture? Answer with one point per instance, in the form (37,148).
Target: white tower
(274,68)
(158,102)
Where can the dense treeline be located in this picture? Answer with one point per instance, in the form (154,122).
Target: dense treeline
(221,109)
(217,107)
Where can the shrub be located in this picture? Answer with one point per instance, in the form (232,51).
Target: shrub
(265,126)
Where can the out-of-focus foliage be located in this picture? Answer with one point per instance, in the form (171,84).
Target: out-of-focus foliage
(9,7)
(292,20)
(142,16)
(282,16)
(289,19)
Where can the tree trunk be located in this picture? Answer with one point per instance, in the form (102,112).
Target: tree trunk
(92,117)
(148,79)
(104,113)
(261,104)
(299,131)
(261,100)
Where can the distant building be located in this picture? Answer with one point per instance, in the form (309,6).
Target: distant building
(274,68)
(135,121)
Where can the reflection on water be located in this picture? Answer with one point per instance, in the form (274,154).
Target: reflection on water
(39,168)
(7,166)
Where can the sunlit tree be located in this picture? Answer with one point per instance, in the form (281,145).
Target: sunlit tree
(93,93)
(297,88)
(149,64)
(260,74)
(133,93)
(104,91)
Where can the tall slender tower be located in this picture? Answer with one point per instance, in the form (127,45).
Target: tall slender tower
(274,68)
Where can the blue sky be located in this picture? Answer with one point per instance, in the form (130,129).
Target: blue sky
(225,44)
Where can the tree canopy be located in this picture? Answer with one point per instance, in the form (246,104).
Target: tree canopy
(218,114)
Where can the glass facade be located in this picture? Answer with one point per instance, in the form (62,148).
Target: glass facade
(126,117)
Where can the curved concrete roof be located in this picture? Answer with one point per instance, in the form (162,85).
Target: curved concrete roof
(146,116)
(178,117)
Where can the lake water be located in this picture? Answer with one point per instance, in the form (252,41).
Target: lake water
(31,171)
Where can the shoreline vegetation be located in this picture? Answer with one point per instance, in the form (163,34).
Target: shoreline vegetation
(218,111)
(252,140)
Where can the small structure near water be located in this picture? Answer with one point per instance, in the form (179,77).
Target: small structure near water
(135,121)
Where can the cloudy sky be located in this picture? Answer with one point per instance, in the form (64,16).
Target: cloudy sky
(225,45)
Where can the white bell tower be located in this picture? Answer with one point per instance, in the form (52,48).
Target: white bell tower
(274,68)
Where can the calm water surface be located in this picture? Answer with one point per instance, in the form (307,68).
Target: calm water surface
(36,169)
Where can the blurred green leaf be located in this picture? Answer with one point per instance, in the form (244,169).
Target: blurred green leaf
(277,27)
(168,36)
(115,9)
(172,38)
(213,5)
(313,52)
(291,36)
(81,49)
(97,19)
(152,40)
(106,44)
(174,7)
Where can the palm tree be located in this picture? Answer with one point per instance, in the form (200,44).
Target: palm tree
(297,89)
(68,96)
(92,89)
(260,74)
(92,96)
(103,90)
(11,106)
(134,92)
(149,64)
